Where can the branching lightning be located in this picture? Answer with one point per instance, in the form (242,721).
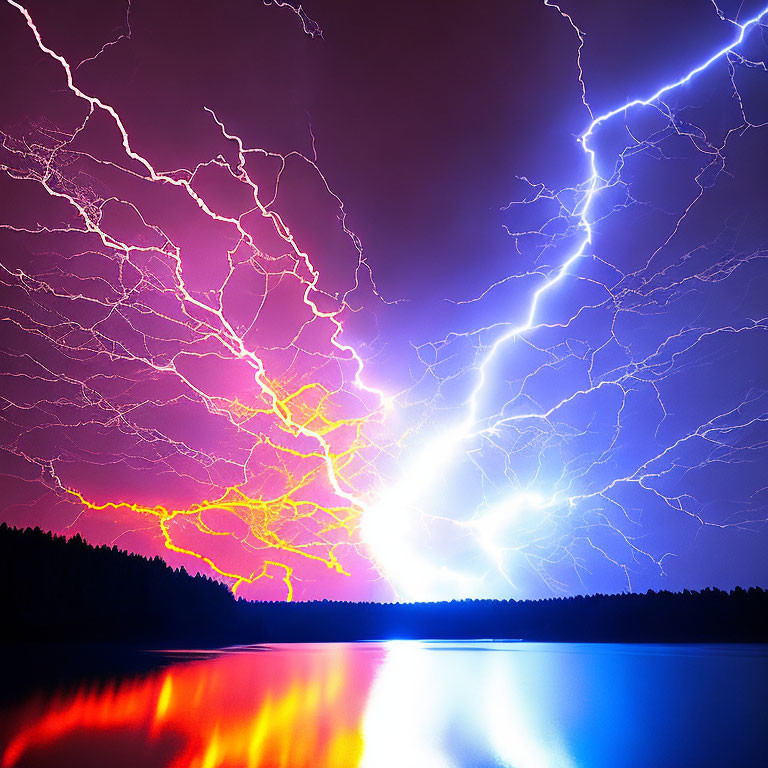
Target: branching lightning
(326,450)
(544,531)
(157,328)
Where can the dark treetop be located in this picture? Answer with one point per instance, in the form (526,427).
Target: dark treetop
(59,590)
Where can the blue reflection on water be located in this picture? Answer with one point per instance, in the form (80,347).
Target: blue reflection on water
(535,705)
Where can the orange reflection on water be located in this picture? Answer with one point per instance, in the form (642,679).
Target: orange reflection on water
(260,709)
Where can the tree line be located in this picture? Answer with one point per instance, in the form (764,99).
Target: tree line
(64,590)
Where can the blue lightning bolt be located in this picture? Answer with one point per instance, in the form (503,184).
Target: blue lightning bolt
(593,185)
(390,524)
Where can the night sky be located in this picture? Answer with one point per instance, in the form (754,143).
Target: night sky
(269,283)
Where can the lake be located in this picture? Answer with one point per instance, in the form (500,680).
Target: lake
(401,704)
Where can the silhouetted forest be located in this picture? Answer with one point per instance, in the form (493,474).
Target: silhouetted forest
(64,590)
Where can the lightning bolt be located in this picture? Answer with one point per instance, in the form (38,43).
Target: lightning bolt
(120,345)
(302,413)
(396,518)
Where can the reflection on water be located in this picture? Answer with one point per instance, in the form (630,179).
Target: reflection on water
(408,704)
(297,707)
(458,707)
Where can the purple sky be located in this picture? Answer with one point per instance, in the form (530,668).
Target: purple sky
(177,384)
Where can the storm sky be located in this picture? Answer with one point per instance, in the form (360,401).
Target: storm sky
(252,334)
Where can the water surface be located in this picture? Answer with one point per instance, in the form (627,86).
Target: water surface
(402,704)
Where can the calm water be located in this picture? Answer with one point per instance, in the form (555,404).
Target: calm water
(402,704)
